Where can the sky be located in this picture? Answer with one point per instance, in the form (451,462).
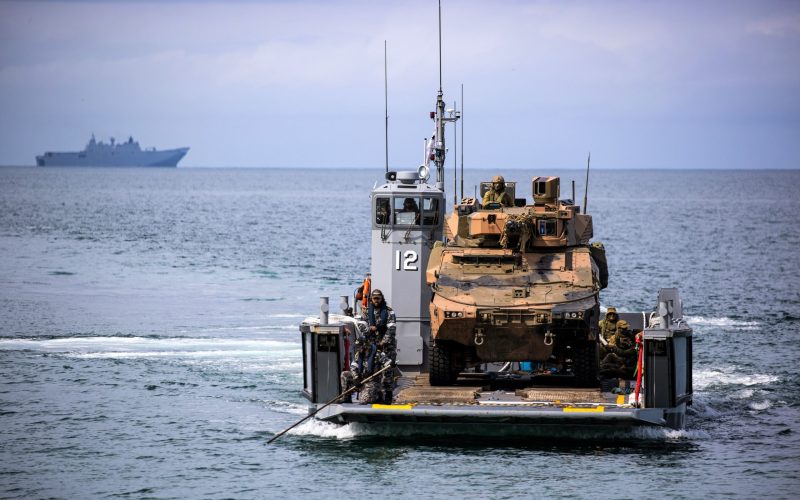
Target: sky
(639,84)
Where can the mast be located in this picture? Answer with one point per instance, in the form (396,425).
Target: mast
(462,143)
(438,147)
(386,104)
(455,154)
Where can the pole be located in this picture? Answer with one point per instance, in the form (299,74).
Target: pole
(386,103)
(455,152)
(586,188)
(440,46)
(345,393)
(462,141)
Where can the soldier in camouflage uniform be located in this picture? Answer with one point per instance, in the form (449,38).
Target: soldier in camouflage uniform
(374,350)
(498,193)
(618,356)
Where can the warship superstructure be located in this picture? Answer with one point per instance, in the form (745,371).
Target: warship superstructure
(113,154)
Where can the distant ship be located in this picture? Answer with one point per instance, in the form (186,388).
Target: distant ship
(100,154)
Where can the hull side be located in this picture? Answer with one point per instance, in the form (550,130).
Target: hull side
(166,158)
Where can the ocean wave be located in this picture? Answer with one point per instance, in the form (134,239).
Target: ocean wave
(760,405)
(701,408)
(177,354)
(286,407)
(253,328)
(743,394)
(313,427)
(133,347)
(723,322)
(729,376)
(323,429)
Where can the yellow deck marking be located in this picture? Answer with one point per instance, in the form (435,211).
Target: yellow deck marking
(594,409)
(620,399)
(392,407)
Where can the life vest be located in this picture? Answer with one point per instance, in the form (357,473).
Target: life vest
(365,290)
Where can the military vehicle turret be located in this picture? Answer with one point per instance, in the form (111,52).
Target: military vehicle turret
(516,284)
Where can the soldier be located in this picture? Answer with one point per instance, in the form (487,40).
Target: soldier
(608,326)
(498,193)
(618,356)
(374,350)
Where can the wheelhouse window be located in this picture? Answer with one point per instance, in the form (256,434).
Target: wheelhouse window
(406,210)
(430,211)
(382,211)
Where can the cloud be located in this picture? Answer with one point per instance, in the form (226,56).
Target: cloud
(185,70)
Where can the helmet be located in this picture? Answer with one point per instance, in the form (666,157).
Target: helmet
(622,324)
(611,310)
(498,178)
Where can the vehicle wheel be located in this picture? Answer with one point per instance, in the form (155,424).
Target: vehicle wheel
(585,365)
(442,366)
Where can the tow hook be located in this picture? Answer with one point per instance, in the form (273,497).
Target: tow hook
(479,337)
(548,338)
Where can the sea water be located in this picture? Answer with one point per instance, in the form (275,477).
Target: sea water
(149,341)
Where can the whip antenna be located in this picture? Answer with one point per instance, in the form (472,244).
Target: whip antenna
(586,188)
(386,104)
(440,46)
(462,141)
(455,159)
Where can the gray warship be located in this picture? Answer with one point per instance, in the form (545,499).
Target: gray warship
(113,154)
(496,314)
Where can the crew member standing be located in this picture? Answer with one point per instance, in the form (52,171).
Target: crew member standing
(376,349)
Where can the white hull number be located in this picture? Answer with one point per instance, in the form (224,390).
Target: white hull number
(406,262)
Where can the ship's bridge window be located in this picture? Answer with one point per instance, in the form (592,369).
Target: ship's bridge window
(382,211)
(406,211)
(430,211)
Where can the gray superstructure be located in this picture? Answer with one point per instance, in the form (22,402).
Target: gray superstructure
(113,154)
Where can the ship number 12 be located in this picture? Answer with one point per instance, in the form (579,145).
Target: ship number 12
(406,262)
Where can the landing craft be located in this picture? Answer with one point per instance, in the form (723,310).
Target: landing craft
(496,317)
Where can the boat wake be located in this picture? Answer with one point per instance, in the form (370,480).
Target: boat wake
(322,429)
(723,322)
(730,376)
(286,355)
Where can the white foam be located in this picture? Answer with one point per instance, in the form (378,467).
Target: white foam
(729,376)
(760,405)
(286,407)
(722,322)
(313,427)
(285,353)
(743,394)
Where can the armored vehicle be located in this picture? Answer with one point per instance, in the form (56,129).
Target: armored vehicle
(517,283)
